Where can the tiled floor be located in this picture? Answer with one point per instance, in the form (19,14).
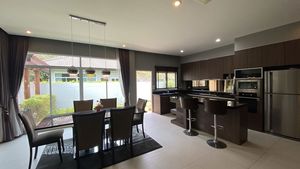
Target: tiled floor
(262,151)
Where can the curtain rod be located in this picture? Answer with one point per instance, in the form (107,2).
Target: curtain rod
(86,19)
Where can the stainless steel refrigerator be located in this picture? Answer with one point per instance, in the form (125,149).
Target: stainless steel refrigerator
(282,102)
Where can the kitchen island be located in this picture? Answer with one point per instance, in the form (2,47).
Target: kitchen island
(234,122)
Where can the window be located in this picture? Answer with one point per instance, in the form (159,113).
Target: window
(166,77)
(47,89)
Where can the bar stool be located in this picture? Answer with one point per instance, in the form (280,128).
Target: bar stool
(189,104)
(216,107)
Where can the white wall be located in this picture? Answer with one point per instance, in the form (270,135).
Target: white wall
(209,54)
(270,36)
(148,61)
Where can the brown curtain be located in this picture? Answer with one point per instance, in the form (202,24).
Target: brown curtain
(125,73)
(13,59)
(4,87)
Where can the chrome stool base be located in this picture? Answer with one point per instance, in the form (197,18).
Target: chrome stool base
(216,144)
(190,133)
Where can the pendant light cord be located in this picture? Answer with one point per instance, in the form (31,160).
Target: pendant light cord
(72,45)
(90,43)
(105,45)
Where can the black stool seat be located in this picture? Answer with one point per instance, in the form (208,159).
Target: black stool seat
(215,107)
(189,104)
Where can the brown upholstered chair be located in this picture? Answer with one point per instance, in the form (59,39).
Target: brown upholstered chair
(36,139)
(138,117)
(83,105)
(109,103)
(88,129)
(121,126)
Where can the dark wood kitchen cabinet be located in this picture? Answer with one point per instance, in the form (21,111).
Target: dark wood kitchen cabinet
(273,55)
(254,58)
(292,52)
(203,69)
(228,65)
(240,59)
(186,71)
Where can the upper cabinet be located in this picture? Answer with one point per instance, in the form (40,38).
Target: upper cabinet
(273,55)
(240,59)
(228,65)
(279,54)
(292,52)
(254,57)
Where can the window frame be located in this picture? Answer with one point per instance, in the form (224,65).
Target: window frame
(166,70)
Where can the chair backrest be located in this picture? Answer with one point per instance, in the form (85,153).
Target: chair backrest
(83,105)
(141,104)
(121,122)
(188,102)
(26,118)
(88,129)
(217,107)
(109,103)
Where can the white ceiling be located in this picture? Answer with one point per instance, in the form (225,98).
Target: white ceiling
(148,25)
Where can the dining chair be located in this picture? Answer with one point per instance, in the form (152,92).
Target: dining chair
(83,105)
(37,139)
(109,103)
(88,129)
(121,127)
(138,118)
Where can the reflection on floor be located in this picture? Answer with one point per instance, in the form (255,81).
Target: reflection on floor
(262,151)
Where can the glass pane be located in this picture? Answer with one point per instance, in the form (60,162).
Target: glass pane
(172,82)
(34,93)
(94,87)
(51,60)
(161,80)
(144,87)
(114,88)
(65,89)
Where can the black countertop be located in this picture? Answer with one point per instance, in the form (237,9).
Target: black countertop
(231,103)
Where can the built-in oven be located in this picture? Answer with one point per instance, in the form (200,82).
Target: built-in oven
(249,91)
(249,87)
(252,101)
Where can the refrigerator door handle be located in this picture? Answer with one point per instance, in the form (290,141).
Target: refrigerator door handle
(267,109)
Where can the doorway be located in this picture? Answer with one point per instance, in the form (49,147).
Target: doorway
(144,87)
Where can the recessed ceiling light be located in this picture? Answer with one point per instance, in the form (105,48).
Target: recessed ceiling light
(28,32)
(218,40)
(124,46)
(177,3)
(181,51)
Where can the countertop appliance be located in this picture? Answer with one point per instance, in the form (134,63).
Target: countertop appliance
(282,102)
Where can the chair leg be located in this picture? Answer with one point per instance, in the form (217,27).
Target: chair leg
(113,151)
(137,128)
(143,130)
(77,159)
(59,150)
(30,158)
(131,147)
(36,151)
(62,143)
(100,152)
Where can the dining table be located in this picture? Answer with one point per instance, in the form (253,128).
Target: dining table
(64,120)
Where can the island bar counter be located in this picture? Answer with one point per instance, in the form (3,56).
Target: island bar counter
(234,122)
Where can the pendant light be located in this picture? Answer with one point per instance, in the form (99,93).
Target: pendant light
(90,71)
(105,71)
(73,71)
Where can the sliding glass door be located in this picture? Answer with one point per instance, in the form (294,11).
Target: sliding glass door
(48,89)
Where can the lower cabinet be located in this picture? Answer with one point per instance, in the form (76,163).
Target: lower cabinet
(161,104)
